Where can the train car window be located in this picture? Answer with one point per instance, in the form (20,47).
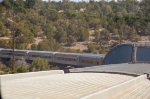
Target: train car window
(10,53)
(143,54)
(19,54)
(41,56)
(66,59)
(119,54)
(88,61)
(6,53)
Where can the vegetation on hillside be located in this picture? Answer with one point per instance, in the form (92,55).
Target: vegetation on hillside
(21,66)
(63,23)
(50,26)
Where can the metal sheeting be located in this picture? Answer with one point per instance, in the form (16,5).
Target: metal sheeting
(143,54)
(138,91)
(119,54)
(59,86)
(128,53)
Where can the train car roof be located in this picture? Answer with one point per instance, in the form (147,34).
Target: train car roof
(67,53)
(15,50)
(35,51)
(93,55)
(83,54)
(137,44)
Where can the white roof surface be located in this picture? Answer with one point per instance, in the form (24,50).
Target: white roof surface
(44,85)
(139,91)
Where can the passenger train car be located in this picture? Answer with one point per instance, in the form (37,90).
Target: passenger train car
(67,59)
(90,59)
(42,54)
(19,54)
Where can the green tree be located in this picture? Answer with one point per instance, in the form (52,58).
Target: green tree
(34,47)
(39,64)
(83,34)
(30,3)
(92,48)
(23,35)
(20,5)
(2,29)
(7,3)
(49,30)
(5,44)
(48,45)
(61,36)
(70,40)
(4,69)
(21,66)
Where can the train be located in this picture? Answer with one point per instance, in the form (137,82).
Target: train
(122,53)
(65,59)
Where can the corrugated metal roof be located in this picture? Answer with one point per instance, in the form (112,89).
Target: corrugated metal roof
(140,90)
(58,86)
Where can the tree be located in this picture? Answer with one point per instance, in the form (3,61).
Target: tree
(49,30)
(39,64)
(61,36)
(147,30)
(2,29)
(83,34)
(3,69)
(35,30)
(20,5)
(21,66)
(70,40)
(48,45)
(34,47)
(92,48)
(7,3)
(23,35)
(30,3)
(5,44)
(146,8)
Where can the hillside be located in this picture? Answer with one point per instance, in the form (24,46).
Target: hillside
(55,26)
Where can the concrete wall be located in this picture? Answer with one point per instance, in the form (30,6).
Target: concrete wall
(107,93)
(29,74)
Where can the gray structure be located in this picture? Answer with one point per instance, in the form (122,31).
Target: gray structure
(128,53)
(128,69)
